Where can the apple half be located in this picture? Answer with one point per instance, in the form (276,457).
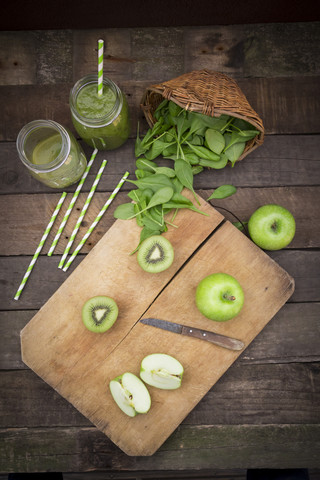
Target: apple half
(161,371)
(130,394)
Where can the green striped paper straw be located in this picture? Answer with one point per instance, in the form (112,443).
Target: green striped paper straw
(82,214)
(72,202)
(97,219)
(100,66)
(37,252)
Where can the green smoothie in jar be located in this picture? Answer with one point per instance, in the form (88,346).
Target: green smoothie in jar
(102,121)
(51,153)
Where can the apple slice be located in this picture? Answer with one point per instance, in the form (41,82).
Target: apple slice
(162,371)
(130,394)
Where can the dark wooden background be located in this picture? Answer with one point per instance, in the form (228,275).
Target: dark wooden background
(265,411)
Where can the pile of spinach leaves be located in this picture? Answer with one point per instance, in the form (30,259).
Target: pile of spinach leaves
(192,141)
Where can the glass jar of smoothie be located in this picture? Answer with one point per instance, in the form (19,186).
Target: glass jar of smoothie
(103,120)
(51,153)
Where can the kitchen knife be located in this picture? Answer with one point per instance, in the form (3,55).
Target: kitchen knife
(216,338)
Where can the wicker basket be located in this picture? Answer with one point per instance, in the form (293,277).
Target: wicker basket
(207,92)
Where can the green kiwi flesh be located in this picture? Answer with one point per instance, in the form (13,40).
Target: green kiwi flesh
(155,254)
(99,313)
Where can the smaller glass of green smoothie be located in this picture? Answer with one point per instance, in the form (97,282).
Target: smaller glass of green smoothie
(103,120)
(51,153)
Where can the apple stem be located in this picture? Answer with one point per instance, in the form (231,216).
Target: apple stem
(226,296)
(274,226)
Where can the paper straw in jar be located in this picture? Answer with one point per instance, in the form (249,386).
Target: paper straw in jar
(72,202)
(37,252)
(97,219)
(100,66)
(82,214)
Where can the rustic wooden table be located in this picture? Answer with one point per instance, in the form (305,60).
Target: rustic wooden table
(265,411)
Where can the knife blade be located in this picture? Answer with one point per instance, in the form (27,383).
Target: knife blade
(216,338)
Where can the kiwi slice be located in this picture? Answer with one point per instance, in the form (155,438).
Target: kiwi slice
(99,313)
(155,254)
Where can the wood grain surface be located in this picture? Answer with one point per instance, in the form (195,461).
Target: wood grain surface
(269,398)
(81,372)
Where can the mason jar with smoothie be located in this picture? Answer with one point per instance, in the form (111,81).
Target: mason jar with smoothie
(51,153)
(102,121)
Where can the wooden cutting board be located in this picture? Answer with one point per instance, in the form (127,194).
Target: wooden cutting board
(79,364)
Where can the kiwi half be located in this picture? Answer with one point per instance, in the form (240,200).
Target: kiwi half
(155,254)
(99,314)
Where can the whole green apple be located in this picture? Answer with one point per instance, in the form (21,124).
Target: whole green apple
(272,227)
(219,297)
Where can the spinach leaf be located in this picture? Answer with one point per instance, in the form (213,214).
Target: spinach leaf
(215,140)
(137,195)
(248,134)
(177,185)
(174,109)
(169,172)
(172,205)
(198,169)
(216,164)
(155,181)
(240,225)
(235,151)
(203,152)
(137,211)
(144,164)
(142,173)
(147,192)
(163,104)
(151,224)
(184,174)
(168,151)
(241,124)
(223,191)
(161,196)
(145,233)
(182,125)
(179,198)
(125,211)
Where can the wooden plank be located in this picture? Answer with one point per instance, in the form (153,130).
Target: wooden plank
(235,474)
(24,217)
(136,53)
(285,101)
(293,387)
(46,278)
(18,63)
(41,207)
(263,50)
(296,263)
(170,475)
(85,368)
(118,59)
(190,447)
(10,325)
(287,338)
(282,160)
(277,343)
(299,103)
(140,52)
(35,57)
(158,50)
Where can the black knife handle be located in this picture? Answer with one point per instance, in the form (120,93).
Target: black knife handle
(221,340)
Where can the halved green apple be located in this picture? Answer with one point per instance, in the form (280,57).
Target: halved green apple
(130,394)
(162,371)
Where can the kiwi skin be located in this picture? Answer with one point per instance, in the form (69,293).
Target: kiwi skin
(155,254)
(95,306)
